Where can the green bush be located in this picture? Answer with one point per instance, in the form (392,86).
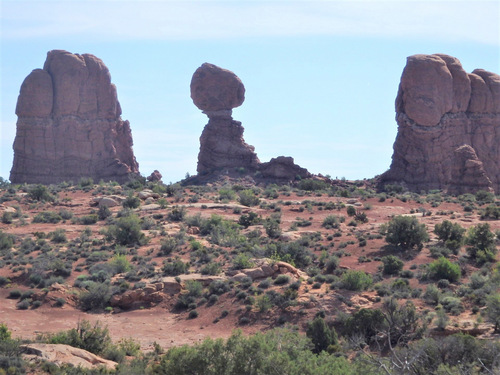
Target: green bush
(40,193)
(442,268)
(281,280)
(392,265)
(491,212)
(331,222)
(356,280)
(365,323)
(406,232)
(131,202)
(47,217)
(322,336)
(127,231)
(481,243)
(6,242)
(96,297)
(248,198)
(175,268)
(93,338)
(451,234)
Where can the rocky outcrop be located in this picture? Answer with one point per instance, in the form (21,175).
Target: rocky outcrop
(448,127)
(223,150)
(155,176)
(69,124)
(216,92)
(283,168)
(60,354)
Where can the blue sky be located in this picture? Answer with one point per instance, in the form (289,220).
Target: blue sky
(321,77)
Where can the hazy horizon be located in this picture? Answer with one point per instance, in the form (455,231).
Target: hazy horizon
(321,77)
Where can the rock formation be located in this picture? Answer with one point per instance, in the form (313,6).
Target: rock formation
(448,127)
(69,124)
(216,92)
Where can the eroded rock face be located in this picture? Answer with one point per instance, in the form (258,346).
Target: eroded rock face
(216,92)
(448,127)
(69,124)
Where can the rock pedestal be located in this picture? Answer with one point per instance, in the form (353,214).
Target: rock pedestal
(216,92)
(69,124)
(448,127)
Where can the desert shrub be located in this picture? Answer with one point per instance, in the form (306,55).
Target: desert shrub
(65,214)
(249,219)
(168,245)
(491,212)
(86,219)
(6,242)
(439,251)
(493,310)
(263,353)
(93,338)
(452,305)
(312,185)
(406,232)
(58,236)
(364,322)
(127,231)
(96,297)
(351,210)
(451,234)
(23,304)
(331,264)
(175,268)
(212,268)
(193,314)
(40,193)
(120,263)
(356,280)
(323,337)
(4,280)
(481,243)
(219,287)
(47,217)
(483,196)
(131,202)
(248,198)
(295,253)
(432,294)
(242,261)
(442,268)
(272,227)
(226,194)
(331,222)
(103,213)
(14,294)
(7,217)
(392,265)
(177,214)
(281,280)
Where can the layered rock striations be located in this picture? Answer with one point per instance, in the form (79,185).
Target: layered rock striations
(69,124)
(448,127)
(216,92)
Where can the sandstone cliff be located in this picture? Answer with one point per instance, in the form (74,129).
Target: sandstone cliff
(69,124)
(448,127)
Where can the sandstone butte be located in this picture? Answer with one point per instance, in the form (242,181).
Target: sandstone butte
(69,124)
(216,92)
(448,127)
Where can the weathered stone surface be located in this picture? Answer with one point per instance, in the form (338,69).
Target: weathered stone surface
(222,147)
(69,124)
(448,127)
(283,168)
(223,150)
(60,354)
(155,176)
(215,89)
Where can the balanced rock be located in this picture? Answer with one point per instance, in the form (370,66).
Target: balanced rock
(448,127)
(217,91)
(69,124)
(155,176)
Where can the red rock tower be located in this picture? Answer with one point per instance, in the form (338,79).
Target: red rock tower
(69,124)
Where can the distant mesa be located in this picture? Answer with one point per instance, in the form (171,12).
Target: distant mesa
(223,150)
(448,127)
(69,124)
